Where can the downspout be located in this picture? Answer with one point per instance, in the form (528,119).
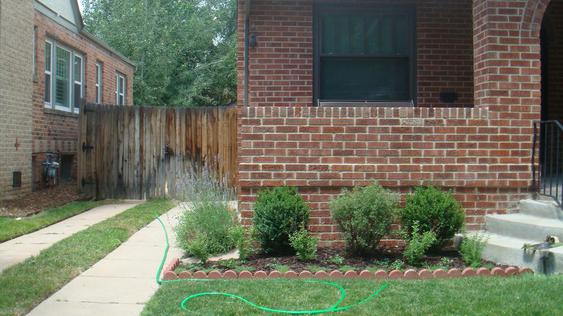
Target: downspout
(246,49)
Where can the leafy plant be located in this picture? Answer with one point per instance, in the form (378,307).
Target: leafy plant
(434,211)
(282,268)
(364,216)
(243,242)
(397,265)
(304,245)
(418,244)
(206,227)
(471,249)
(336,259)
(279,213)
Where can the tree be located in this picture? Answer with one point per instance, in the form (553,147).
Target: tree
(184,49)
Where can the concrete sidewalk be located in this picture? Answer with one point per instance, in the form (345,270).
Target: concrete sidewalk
(122,282)
(17,250)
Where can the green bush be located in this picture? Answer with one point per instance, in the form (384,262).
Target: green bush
(434,211)
(207,226)
(364,216)
(243,242)
(417,245)
(304,245)
(471,250)
(278,213)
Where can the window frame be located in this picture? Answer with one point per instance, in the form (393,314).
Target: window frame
(52,103)
(48,104)
(118,93)
(320,8)
(99,83)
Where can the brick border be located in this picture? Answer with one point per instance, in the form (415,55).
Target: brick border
(169,274)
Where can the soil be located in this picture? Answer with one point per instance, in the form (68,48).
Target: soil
(38,201)
(387,259)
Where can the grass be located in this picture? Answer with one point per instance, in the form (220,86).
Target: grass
(526,295)
(25,285)
(11,228)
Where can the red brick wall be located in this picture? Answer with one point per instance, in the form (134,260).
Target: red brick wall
(281,66)
(554,50)
(57,131)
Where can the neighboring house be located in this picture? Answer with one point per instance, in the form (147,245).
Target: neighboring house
(335,94)
(66,66)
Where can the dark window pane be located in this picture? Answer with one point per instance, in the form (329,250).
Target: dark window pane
(368,79)
(77,95)
(47,88)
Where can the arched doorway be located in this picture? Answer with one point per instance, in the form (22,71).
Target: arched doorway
(551,128)
(552,62)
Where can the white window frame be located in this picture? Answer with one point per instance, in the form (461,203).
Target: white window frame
(122,93)
(52,104)
(48,104)
(99,83)
(75,82)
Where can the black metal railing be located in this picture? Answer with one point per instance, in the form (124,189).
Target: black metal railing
(547,166)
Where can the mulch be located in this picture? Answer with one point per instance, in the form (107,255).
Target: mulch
(38,201)
(324,256)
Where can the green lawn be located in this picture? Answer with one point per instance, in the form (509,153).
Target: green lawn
(25,285)
(11,228)
(526,295)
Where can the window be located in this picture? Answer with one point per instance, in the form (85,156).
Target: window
(48,74)
(77,79)
(98,83)
(120,89)
(64,78)
(365,54)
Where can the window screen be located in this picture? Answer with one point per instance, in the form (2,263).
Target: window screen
(365,54)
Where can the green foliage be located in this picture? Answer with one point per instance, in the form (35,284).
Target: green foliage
(434,211)
(278,213)
(397,265)
(471,249)
(304,245)
(207,226)
(336,259)
(185,51)
(243,242)
(417,245)
(364,216)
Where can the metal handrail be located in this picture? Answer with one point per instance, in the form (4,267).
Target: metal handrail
(548,169)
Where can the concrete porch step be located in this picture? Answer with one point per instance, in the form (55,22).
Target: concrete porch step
(541,208)
(508,250)
(524,226)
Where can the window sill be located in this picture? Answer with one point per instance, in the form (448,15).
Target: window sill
(365,104)
(60,112)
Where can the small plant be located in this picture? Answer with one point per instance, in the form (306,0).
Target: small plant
(445,262)
(364,216)
(243,242)
(434,211)
(199,248)
(304,245)
(282,268)
(417,245)
(315,268)
(471,249)
(397,265)
(278,214)
(228,264)
(336,260)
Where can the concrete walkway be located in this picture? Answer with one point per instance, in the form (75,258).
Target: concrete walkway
(121,283)
(17,250)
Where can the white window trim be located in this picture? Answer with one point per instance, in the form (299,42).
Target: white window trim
(76,107)
(52,104)
(49,104)
(99,83)
(120,93)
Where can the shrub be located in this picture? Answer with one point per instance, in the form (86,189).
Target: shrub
(434,211)
(364,216)
(278,213)
(304,245)
(207,225)
(471,249)
(417,245)
(243,242)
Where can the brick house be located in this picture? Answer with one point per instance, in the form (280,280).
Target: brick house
(65,65)
(335,94)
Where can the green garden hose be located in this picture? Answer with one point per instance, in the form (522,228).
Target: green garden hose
(332,309)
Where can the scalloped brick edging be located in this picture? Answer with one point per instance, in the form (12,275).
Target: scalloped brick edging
(424,274)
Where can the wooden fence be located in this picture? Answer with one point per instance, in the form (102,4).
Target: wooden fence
(143,152)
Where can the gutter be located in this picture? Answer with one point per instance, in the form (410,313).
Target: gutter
(248,4)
